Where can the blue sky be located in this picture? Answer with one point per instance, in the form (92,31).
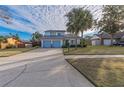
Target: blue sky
(23,35)
(25,19)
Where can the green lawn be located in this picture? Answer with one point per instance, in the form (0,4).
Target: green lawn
(13,51)
(100,50)
(106,72)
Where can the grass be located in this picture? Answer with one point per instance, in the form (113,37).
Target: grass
(95,50)
(103,72)
(14,51)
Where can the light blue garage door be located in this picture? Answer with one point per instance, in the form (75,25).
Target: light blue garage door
(56,44)
(46,44)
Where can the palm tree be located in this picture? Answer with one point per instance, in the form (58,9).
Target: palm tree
(79,20)
(112,15)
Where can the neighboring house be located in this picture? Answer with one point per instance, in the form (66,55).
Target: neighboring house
(119,36)
(13,42)
(105,38)
(28,44)
(57,38)
(10,42)
(3,45)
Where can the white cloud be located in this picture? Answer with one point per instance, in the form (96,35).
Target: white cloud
(45,17)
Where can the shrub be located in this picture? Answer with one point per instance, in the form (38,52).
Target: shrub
(64,46)
(72,45)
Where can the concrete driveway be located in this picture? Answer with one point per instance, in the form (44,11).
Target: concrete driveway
(40,68)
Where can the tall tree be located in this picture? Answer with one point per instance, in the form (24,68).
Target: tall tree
(2,38)
(79,20)
(111,21)
(36,36)
(14,36)
(17,36)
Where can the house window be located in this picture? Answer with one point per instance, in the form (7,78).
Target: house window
(59,34)
(53,33)
(72,41)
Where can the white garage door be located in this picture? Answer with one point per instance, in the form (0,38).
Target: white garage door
(95,42)
(107,42)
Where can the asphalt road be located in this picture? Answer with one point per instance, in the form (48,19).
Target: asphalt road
(40,68)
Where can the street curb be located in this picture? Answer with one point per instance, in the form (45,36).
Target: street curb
(83,74)
(92,54)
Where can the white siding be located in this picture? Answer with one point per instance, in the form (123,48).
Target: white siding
(74,41)
(78,41)
(106,42)
(95,42)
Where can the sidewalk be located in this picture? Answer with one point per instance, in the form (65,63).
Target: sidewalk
(91,56)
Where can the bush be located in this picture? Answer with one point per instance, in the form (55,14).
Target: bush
(78,45)
(36,43)
(64,46)
(85,42)
(84,45)
(72,45)
(75,45)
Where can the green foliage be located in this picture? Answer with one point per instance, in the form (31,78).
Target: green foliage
(36,36)
(66,44)
(17,36)
(84,42)
(79,20)
(13,36)
(88,40)
(111,21)
(2,38)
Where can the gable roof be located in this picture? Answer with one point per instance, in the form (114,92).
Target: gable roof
(104,35)
(119,35)
(95,37)
(71,36)
(107,36)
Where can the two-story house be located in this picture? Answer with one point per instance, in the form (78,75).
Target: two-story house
(56,39)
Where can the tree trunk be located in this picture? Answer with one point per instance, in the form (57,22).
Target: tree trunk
(101,40)
(82,39)
(68,45)
(111,39)
(76,43)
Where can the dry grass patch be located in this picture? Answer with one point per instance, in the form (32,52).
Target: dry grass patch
(13,51)
(106,72)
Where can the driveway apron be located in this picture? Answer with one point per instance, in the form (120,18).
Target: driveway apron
(40,68)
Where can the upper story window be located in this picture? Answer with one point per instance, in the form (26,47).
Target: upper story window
(54,33)
(59,34)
